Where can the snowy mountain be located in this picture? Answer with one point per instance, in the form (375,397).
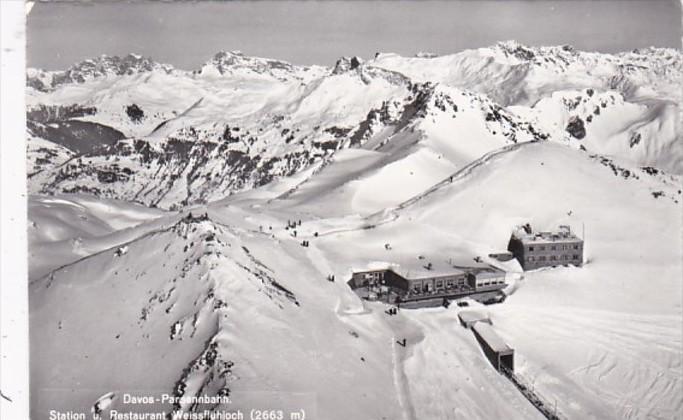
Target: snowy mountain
(204,153)
(169,211)
(143,131)
(641,89)
(515,74)
(646,131)
(100,67)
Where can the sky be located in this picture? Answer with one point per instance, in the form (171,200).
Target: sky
(187,34)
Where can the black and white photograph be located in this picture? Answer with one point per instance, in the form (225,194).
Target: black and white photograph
(342,210)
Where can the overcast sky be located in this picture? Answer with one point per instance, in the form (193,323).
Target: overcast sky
(186,34)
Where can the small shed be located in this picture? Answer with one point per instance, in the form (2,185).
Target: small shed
(486,278)
(500,355)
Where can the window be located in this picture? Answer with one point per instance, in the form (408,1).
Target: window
(542,247)
(541,258)
(576,247)
(439,284)
(575,257)
(531,248)
(552,258)
(552,248)
(564,247)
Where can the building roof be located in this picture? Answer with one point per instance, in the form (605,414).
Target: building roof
(469,317)
(563,234)
(488,334)
(487,271)
(373,267)
(417,269)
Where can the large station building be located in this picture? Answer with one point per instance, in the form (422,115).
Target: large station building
(395,284)
(546,249)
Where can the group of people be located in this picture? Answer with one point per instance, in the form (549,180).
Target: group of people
(392,311)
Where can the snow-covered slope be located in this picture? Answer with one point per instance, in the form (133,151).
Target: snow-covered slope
(203,312)
(408,147)
(66,228)
(581,334)
(232,303)
(646,131)
(632,222)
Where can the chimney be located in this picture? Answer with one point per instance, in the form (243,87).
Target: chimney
(527,229)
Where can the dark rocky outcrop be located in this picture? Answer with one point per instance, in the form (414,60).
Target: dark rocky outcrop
(135,113)
(576,128)
(345,64)
(77,136)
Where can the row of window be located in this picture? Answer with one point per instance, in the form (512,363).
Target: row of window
(555,247)
(374,276)
(439,284)
(565,257)
(449,283)
(492,283)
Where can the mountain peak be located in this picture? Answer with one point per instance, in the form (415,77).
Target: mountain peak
(93,68)
(345,64)
(522,52)
(236,62)
(115,65)
(233,55)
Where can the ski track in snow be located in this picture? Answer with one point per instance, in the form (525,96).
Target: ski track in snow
(401,382)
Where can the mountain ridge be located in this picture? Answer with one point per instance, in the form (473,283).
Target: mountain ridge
(256,119)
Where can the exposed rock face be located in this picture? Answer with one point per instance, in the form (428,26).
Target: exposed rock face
(135,113)
(345,64)
(77,136)
(576,128)
(56,113)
